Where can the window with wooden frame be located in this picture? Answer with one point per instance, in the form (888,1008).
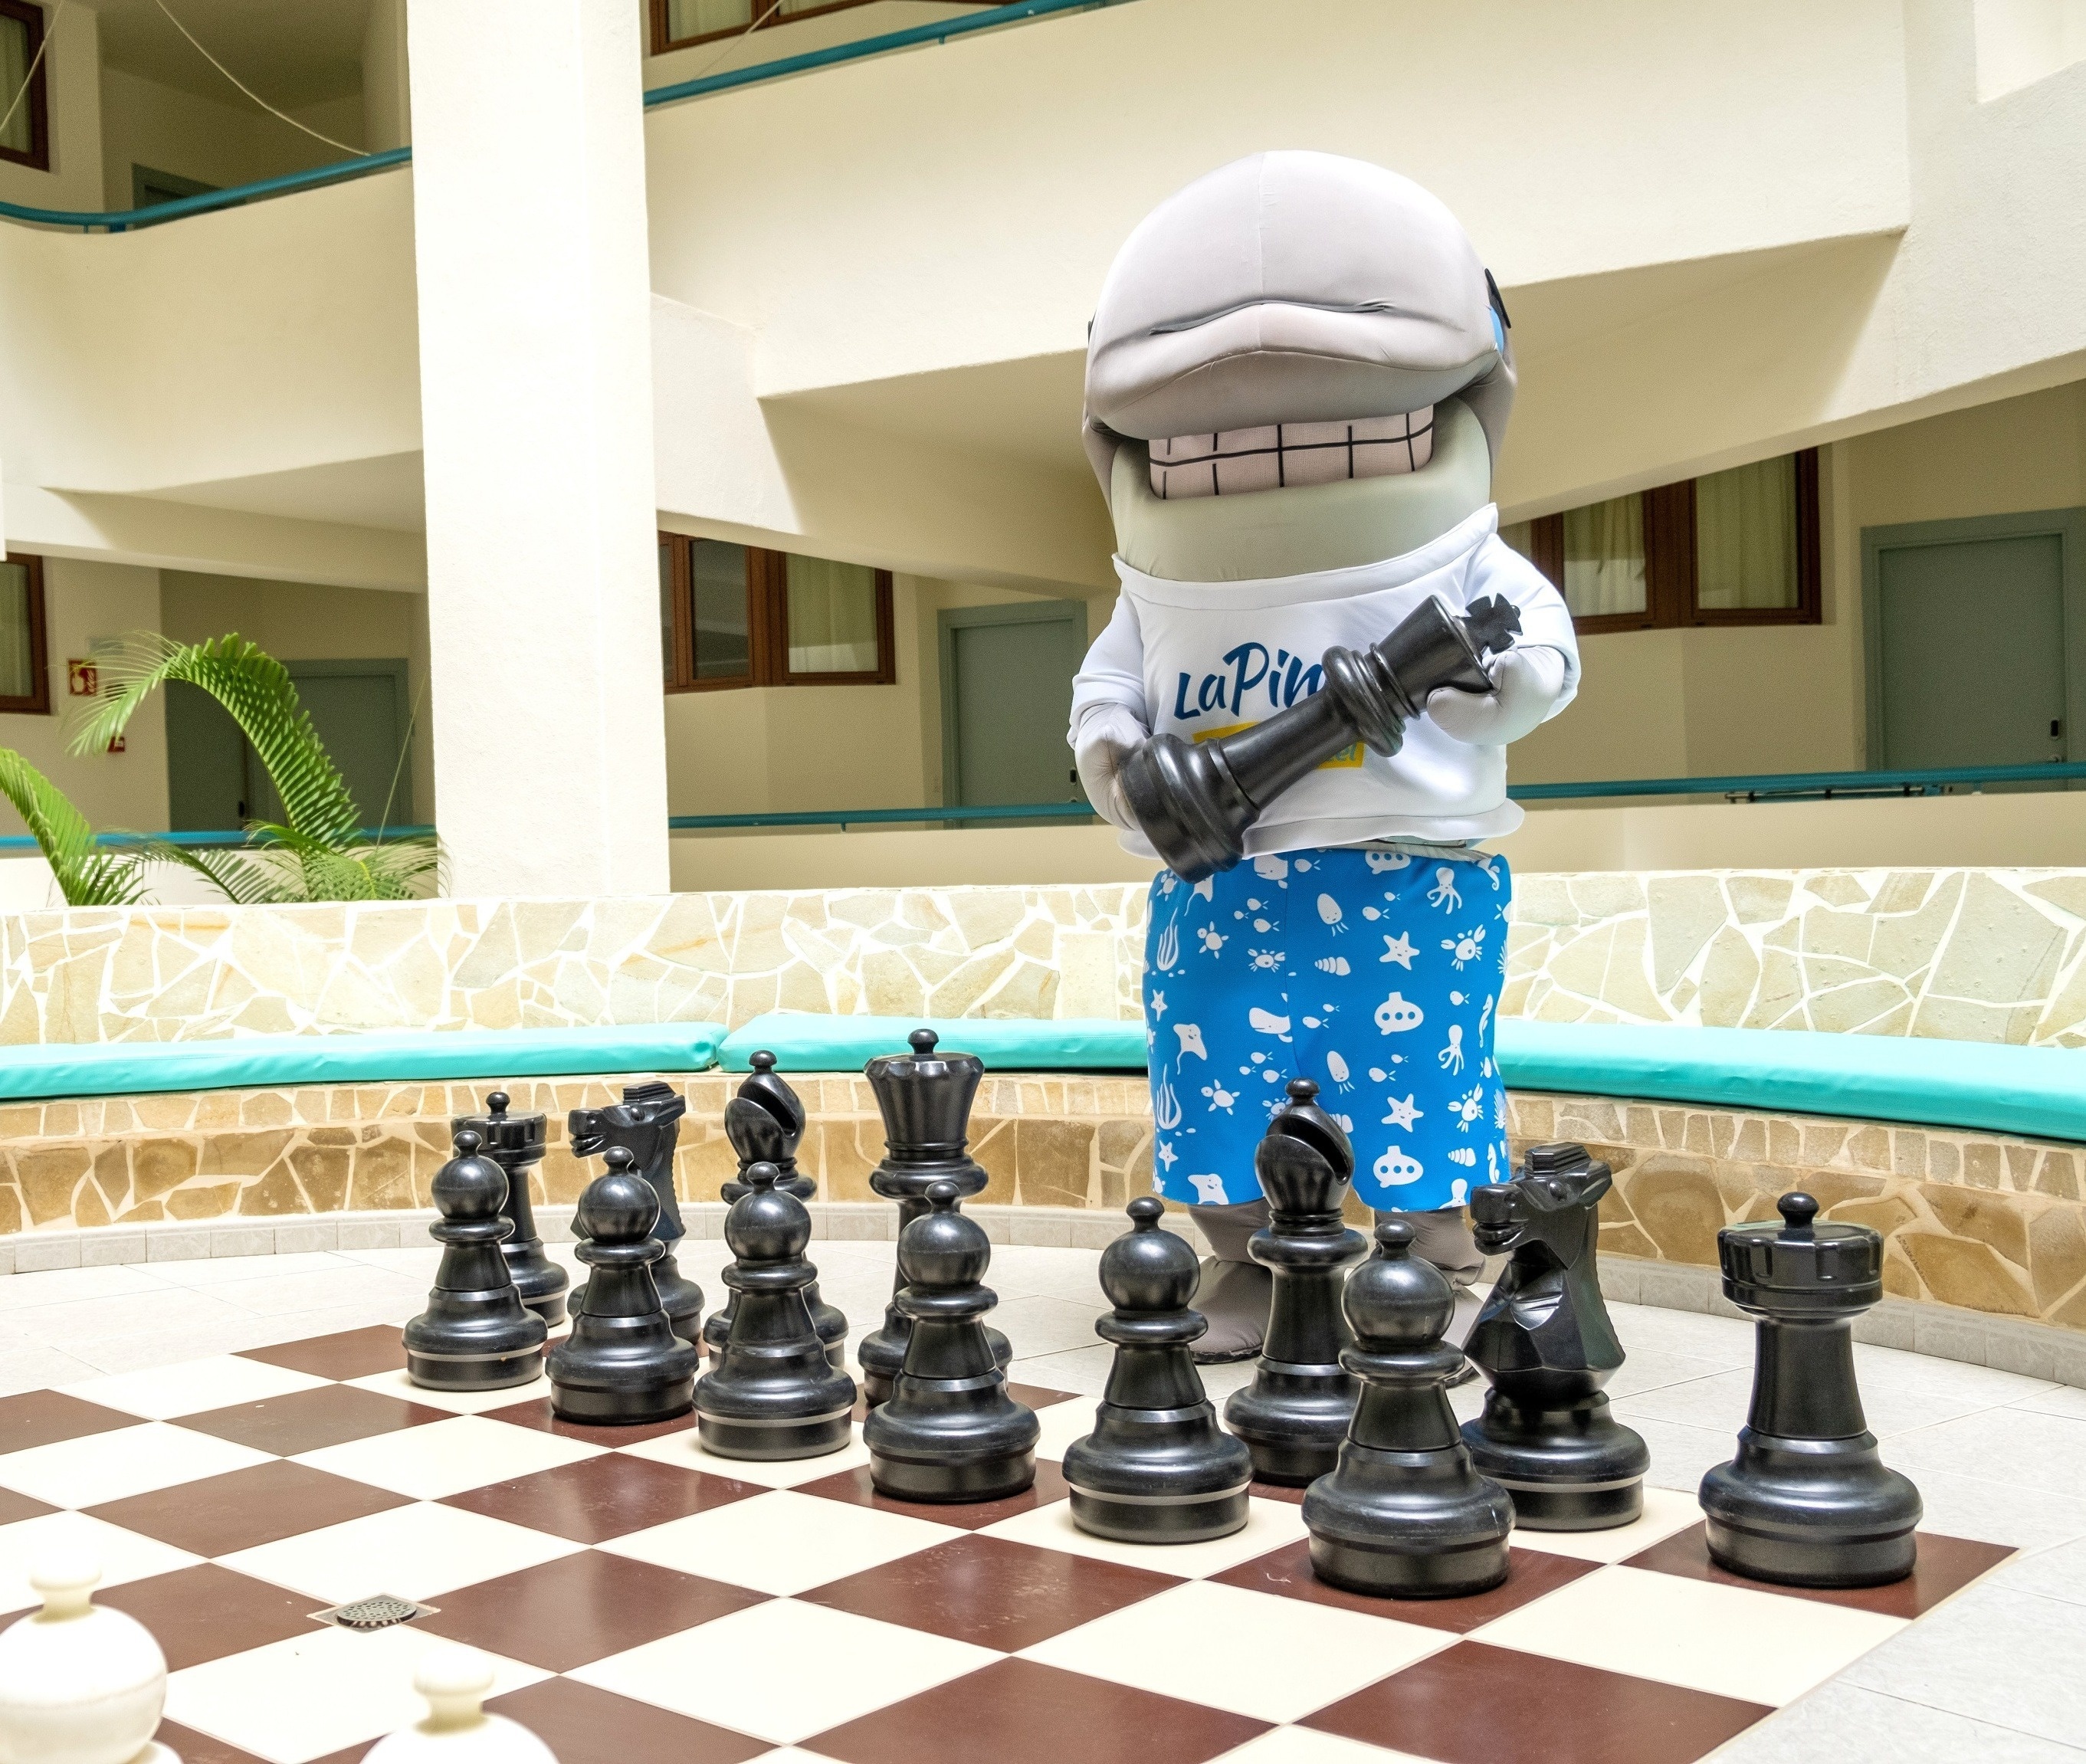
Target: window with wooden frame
(734,615)
(25,672)
(27,139)
(676,24)
(1739,547)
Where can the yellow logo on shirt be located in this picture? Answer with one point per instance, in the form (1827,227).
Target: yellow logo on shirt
(1349,755)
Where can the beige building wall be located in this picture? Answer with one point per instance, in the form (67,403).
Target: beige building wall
(220,141)
(72,68)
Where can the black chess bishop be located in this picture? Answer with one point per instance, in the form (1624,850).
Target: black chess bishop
(475,1334)
(647,1123)
(516,1143)
(772,1393)
(1546,1342)
(1295,1413)
(1157,1469)
(949,1431)
(622,1365)
(1403,1515)
(924,1097)
(1808,1501)
(765,1124)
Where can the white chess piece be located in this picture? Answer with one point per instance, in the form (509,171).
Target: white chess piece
(456,1682)
(79,1684)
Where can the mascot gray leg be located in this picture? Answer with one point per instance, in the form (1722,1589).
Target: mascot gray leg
(1235,1290)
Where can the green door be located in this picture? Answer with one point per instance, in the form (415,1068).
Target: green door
(359,708)
(1970,648)
(1006,699)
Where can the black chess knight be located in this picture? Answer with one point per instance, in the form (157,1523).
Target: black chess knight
(765,1124)
(924,1097)
(1545,1341)
(516,1143)
(1295,1413)
(1808,1502)
(622,1365)
(475,1334)
(647,1123)
(1404,1515)
(1157,1469)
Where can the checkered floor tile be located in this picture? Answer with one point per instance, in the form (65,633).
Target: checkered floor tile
(645,1602)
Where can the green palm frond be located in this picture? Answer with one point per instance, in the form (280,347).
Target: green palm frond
(316,852)
(258,691)
(86,875)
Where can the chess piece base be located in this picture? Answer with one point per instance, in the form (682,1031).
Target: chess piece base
(1293,1419)
(983,1479)
(604,1408)
(1572,1467)
(947,1439)
(1392,1574)
(1811,1513)
(769,1441)
(474,1371)
(1158,1475)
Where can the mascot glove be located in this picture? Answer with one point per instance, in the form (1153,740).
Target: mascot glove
(1525,684)
(1108,736)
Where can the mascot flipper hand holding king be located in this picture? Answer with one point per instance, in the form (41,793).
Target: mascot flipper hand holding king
(1298,379)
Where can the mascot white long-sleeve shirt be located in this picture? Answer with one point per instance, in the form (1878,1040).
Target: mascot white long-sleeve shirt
(1204,658)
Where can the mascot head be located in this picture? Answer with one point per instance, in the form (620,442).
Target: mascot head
(1291,322)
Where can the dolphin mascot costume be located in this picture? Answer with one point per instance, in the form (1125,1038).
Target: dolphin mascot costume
(1298,380)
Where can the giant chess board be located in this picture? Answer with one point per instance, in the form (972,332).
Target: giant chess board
(645,1602)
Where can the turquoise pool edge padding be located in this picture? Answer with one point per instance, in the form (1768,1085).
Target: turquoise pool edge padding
(371,1057)
(801,1041)
(2037,1091)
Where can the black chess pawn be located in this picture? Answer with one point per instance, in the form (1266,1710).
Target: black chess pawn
(1403,1515)
(924,1097)
(648,1122)
(622,1365)
(772,1393)
(1808,1502)
(475,1334)
(1295,1413)
(765,1124)
(949,1430)
(516,1143)
(1545,1341)
(1157,1469)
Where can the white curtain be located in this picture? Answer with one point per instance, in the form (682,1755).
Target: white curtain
(717,571)
(14,69)
(1745,537)
(1604,558)
(833,617)
(18,676)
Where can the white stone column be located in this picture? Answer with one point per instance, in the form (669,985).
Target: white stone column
(536,416)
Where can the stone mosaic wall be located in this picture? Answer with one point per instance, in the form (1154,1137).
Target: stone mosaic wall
(1983,1221)
(1967,955)
(1045,1142)
(1980,955)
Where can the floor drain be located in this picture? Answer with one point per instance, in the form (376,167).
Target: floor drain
(379,1613)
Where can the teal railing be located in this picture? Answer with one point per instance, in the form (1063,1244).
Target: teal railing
(236,195)
(197,842)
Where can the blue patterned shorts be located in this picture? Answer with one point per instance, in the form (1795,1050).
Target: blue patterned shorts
(1375,973)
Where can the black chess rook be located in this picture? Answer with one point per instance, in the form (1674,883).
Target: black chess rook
(647,1124)
(1403,1515)
(475,1334)
(765,1124)
(1294,1415)
(924,1097)
(1808,1501)
(622,1365)
(1157,1469)
(516,1143)
(1546,1342)
(949,1431)
(772,1393)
